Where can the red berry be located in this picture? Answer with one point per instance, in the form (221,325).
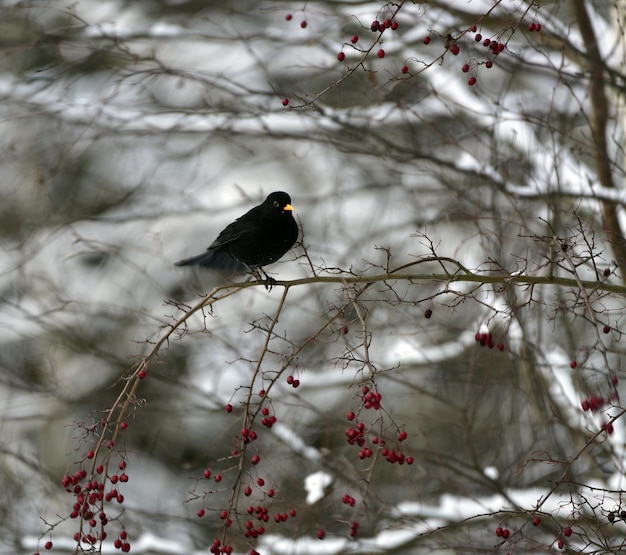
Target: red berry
(488,64)
(229,407)
(285,102)
(295,384)
(303,24)
(500,47)
(200,513)
(289,17)
(341,56)
(428,313)
(537,27)
(218,478)
(465,68)
(486,42)
(426,40)
(607,427)
(409,460)
(471,82)
(402,435)
(455,49)
(375,25)
(606,329)
(321,534)
(573,364)
(48,545)
(505,533)
(531,27)
(478,37)
(354,38)
(473,28)
(387,23)
(394,25)
(567,531)
(260,482)
(561,544)
(405,69)
(350,416)
(142,374)
(536,521)
(500,346)
(124,425)
(381,53)
(90,454)
(499,531)
(224,515)
(255,459)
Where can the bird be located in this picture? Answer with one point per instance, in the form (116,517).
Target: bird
(258,238)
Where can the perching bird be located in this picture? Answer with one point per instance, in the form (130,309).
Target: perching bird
(259,237)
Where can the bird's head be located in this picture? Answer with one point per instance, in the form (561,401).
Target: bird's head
(278,202)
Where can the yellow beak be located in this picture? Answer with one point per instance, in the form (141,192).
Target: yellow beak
(288,207)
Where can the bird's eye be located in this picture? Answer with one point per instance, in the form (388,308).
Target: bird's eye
(276,204)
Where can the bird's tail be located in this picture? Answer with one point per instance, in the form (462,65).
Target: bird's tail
(218,260)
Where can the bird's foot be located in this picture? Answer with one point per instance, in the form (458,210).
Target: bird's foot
(262,277)
(269,282)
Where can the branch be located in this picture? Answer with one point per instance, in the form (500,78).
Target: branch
(599,122)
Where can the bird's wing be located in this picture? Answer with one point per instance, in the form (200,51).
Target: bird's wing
(245,225)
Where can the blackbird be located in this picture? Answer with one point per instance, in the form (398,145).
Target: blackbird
(259,237)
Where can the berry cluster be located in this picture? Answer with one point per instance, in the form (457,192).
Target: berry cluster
(89,498)
(348,499)
(354,529)
(484,338)
(503,532)
(376,26)
(494,45)
(258,515)
(595,403)
(371,400)
(357,434)
(268,419)
(217,547)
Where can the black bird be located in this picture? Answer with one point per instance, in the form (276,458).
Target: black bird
(259,237)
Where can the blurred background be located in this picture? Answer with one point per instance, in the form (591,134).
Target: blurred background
(133,132)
